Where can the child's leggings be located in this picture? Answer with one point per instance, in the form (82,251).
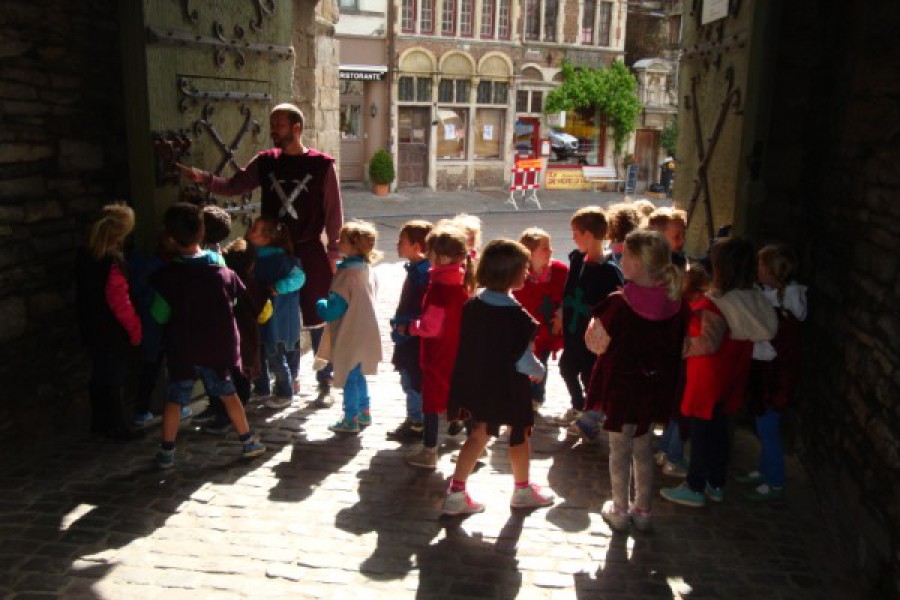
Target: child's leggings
(627,455)
(356,393)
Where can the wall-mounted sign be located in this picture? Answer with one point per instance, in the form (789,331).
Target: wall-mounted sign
(566,179)
(556,119)
(713,10)
(363,72)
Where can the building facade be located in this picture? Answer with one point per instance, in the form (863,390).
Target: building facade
(364,102)
(469,79)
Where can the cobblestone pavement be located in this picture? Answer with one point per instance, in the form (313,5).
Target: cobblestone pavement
(340,516)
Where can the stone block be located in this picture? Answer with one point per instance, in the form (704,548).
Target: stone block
(79,155)
(17,91)
(38,210)
(25,152)
(12,318)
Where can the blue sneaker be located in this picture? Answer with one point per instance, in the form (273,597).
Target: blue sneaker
(682,494)
(165,459)
(143,419)
(253,448)
(714,493)
(186,413)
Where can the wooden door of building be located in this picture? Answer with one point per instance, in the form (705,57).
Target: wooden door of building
(414,124)
(352,142)
(646,152)
(201,78)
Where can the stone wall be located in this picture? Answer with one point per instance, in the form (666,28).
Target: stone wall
(61,157)
(833,189)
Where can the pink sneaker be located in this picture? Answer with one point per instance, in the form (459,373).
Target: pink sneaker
(459,503)
(531,497)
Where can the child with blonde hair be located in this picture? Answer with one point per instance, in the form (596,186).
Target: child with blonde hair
(438,328)
(490,384)
(351,341)
(773,373)
(644,208)
(107,319)
(637,334)
(542,295)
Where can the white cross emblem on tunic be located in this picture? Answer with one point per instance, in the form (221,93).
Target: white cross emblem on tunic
(287,202)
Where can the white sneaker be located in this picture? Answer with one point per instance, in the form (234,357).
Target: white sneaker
(616,520)
(423,457)
(674,469)
(459,503)
(531,497)
(278,402)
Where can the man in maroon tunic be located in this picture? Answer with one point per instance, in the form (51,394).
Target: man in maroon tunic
(300,188)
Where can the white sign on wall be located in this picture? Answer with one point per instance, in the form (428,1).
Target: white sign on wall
(450,132)
(556,119)
(713,10)
(488,132)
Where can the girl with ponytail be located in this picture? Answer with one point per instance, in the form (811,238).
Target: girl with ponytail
(637,334)
(108,321)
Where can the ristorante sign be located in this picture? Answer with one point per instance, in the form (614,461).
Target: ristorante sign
(362,75)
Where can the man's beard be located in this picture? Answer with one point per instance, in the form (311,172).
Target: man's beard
(282,142)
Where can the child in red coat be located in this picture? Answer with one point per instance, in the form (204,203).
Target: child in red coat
(439,329)
(722,329)
(542,295)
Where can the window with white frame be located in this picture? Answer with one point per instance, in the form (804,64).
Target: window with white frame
(448,17)
(551,10)
(489,132)
(487,18)
(587,22)
(467,18)
(453,90)
(414,89)
(408,16)
(503,13)
(532,19)
(604,27)
(426,19)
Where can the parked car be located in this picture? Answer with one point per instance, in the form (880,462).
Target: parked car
(563,144)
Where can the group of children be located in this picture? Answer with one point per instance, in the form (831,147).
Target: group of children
(645,337)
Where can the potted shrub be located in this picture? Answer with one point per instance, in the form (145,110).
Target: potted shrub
(381,171)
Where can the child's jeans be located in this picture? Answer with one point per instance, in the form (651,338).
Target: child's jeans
(709,451)
(771,457)
(630,455)
(356,393)
(671,444)
(275,362)
(538,388)
(413,397)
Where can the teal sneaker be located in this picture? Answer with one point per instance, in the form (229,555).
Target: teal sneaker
(753,478)
(345,426)
(252,448)
(716,494)
(765,493)
(165,459)
(364,418)
(684,495)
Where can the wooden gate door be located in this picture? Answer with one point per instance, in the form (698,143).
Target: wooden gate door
(646,152)
(351,122)
(414,125)
(202,76)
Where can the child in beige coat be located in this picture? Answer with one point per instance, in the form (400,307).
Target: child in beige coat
(351,341)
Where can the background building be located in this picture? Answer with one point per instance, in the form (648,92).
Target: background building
(469,78)
(364,101)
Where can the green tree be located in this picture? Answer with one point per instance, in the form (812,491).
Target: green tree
(612,90)
(669,137)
